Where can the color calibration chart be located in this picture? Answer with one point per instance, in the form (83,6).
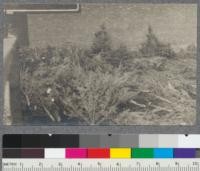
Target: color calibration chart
(98,152)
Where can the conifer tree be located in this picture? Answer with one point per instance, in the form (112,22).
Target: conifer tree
(101,42)
(153,47)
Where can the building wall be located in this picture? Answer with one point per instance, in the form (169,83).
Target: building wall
(173,23)
(12,109)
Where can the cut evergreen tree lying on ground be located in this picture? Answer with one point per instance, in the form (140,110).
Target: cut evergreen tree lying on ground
(103,85)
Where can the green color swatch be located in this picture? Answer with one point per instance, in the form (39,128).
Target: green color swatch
(142,153)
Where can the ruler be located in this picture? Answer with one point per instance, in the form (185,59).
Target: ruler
(101,165)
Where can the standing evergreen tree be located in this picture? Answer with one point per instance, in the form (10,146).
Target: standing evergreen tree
(153,47)
(101,42)
(149,47)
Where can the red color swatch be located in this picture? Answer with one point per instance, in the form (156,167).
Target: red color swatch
(98,153)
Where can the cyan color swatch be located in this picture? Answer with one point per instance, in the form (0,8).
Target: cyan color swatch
(163,153)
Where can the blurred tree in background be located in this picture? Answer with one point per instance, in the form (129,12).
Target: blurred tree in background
(153,47)
(101,42)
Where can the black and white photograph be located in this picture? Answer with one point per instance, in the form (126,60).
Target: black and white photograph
(100,64)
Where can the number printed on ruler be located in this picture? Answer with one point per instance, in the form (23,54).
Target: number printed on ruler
(101,165)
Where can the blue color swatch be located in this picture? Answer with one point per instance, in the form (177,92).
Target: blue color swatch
(163,152)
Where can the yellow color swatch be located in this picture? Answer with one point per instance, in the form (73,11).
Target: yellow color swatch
(120,152)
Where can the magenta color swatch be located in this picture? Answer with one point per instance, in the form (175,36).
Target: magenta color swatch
(76,153)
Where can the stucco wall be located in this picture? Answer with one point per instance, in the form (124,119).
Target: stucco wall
(173,23)
(9,48)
